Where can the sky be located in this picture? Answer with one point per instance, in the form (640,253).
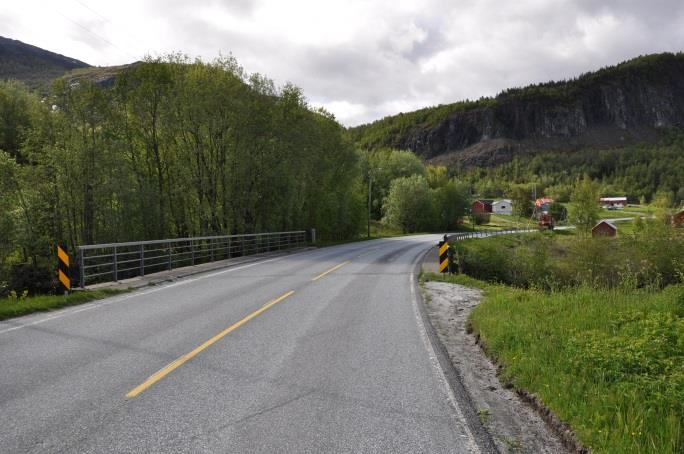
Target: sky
(362,60)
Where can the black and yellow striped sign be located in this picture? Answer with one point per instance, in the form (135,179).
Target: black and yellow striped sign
(63,268)
(443,256)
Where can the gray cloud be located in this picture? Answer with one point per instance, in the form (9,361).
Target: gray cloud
(364,60)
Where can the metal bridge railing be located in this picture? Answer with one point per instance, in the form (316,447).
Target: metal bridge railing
(486,234)
(115,261)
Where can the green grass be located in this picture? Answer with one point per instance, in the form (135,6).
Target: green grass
(506,221)
(11,307)
(608,362)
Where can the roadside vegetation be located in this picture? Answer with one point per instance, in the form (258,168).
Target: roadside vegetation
(175,148)
(592,326)
(179,148)
(16,305)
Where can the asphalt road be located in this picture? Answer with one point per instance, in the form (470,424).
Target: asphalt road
(319,351)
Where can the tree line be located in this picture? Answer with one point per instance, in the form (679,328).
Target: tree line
(181,148)
(176,148)
(643,172)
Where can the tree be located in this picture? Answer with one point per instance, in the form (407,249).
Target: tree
(521,196)
(558,211)
(175,148)
(585,204)
(408,204)
(437,176)
(450,203)
(382,167)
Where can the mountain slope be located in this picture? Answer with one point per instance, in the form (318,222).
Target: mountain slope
(34,66)
(607,108)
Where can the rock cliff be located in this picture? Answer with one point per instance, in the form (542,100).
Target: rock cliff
(611,107)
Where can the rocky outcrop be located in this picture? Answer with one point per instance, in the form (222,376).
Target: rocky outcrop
(616,105)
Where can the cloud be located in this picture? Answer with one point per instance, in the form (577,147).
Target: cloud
(364,60)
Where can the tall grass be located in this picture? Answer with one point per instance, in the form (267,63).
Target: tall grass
(17,306)
(608,362)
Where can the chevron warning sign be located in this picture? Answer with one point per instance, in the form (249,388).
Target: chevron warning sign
(63,268)
(444,256)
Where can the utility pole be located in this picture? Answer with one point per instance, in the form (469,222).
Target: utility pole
(369,202)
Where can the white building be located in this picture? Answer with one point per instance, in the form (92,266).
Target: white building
(504,206)
(613,203)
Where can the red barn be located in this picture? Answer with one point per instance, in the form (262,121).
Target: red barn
(604,228)
(482,206)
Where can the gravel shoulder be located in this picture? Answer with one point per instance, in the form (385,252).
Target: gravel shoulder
(513,424)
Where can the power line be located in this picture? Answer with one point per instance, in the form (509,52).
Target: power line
(93,11)
(130,33)
(96,35)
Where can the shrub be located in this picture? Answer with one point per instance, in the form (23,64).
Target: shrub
(482,218)
(35,279)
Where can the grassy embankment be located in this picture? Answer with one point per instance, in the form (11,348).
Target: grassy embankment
(500,222)
(607,357)
(15,307)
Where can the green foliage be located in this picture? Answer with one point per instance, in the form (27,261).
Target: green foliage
(651,257)
(451,200)
(585,204)
(389,132)
(408,204)
(437,176)
(420,204)
(558,211)
(481,218)
(15,117)
(382,167)
(609,362)
(521,196)
(176,148)
(637,171)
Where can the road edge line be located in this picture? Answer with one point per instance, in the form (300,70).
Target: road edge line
(459,397)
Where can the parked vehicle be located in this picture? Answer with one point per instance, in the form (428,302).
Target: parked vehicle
(546,222)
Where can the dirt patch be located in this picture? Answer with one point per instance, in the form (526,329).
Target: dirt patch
(513,424)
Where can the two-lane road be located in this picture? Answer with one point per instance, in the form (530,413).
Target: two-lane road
(317,351)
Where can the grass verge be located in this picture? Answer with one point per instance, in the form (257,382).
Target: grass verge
(608,362)
(10,307)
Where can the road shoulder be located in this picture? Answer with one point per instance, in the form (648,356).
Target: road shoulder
(513,425)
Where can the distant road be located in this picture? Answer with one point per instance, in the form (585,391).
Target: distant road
(318,351)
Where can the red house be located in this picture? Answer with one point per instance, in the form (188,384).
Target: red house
(482,206)
(604,228)
(678,219)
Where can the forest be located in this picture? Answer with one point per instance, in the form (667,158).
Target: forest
(180,148)
(642,172)
(176,148)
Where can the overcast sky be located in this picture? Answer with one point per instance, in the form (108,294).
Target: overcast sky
(362,60)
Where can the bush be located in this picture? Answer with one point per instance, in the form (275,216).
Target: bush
(482,218)
(36,279)
(652,257)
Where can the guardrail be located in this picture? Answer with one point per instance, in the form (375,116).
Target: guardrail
(486,234)
(115,261)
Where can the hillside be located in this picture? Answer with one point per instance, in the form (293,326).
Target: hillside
(614,106)
(32,65)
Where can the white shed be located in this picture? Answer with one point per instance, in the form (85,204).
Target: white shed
(504,206)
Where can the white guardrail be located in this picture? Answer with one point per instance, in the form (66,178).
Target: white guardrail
(486,234)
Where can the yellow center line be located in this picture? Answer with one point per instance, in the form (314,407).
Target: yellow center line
(154,378)
(336,267)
